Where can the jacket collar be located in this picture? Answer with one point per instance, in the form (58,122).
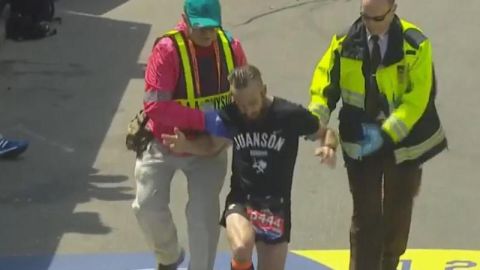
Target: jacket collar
(355,43)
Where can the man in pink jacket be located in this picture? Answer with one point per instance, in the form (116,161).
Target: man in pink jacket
(186,75)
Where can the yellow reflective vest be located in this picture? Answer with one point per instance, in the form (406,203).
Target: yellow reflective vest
(186,93)
(407,86)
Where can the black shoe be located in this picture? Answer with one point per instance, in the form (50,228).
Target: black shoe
(167,267)
(390,263)
(174,265)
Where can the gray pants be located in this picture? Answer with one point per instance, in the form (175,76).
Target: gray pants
(205,176)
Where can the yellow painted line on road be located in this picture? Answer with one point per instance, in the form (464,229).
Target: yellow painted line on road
(415,259)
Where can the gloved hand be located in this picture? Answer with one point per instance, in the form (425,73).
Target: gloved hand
(372,139)
(214,125)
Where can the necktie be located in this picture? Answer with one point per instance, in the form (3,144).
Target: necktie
(375,56)
(372,100)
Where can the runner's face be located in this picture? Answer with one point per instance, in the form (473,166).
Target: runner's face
(251,101)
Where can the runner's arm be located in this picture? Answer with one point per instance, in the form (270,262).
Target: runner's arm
(203,145)
(206,145)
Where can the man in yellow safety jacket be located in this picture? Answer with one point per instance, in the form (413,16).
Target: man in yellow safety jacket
(382,70)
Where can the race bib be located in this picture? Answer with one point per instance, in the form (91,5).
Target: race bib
(267,224)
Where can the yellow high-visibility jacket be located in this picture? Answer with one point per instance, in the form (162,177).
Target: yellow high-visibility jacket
(406,82)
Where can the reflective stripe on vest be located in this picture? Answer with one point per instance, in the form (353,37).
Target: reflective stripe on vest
(396,126)
(199,102)
(416,151)
(157,95)
(351,149)
(353,98)
(227,51)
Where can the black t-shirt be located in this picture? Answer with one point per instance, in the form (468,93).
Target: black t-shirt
(264,152)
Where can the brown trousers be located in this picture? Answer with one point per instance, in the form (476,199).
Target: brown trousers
(383,194)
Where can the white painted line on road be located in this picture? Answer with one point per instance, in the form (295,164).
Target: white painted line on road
(21,128)
(81,14)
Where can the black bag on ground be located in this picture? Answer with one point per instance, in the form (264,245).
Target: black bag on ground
(30,19)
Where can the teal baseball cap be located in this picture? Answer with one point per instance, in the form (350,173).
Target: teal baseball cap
(203,13)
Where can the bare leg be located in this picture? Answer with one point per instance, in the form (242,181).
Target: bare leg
(272,257)
(241,237)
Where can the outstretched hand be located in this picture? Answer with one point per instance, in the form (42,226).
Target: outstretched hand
(327,156)
(176,142)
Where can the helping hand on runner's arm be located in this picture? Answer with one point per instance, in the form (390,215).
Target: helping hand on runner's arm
(203,145)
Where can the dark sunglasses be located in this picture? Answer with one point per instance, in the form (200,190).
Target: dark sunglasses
(376,18)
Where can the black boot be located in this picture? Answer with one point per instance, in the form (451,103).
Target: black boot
(390,263)
(167,267)
(174,265)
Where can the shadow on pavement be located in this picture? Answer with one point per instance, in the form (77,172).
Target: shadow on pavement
(61,93)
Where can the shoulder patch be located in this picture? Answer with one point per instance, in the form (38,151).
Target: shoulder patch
(414,37)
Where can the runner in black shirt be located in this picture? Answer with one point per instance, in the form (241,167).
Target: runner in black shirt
(265,132)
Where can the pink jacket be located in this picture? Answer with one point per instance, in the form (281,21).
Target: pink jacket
(161,77)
